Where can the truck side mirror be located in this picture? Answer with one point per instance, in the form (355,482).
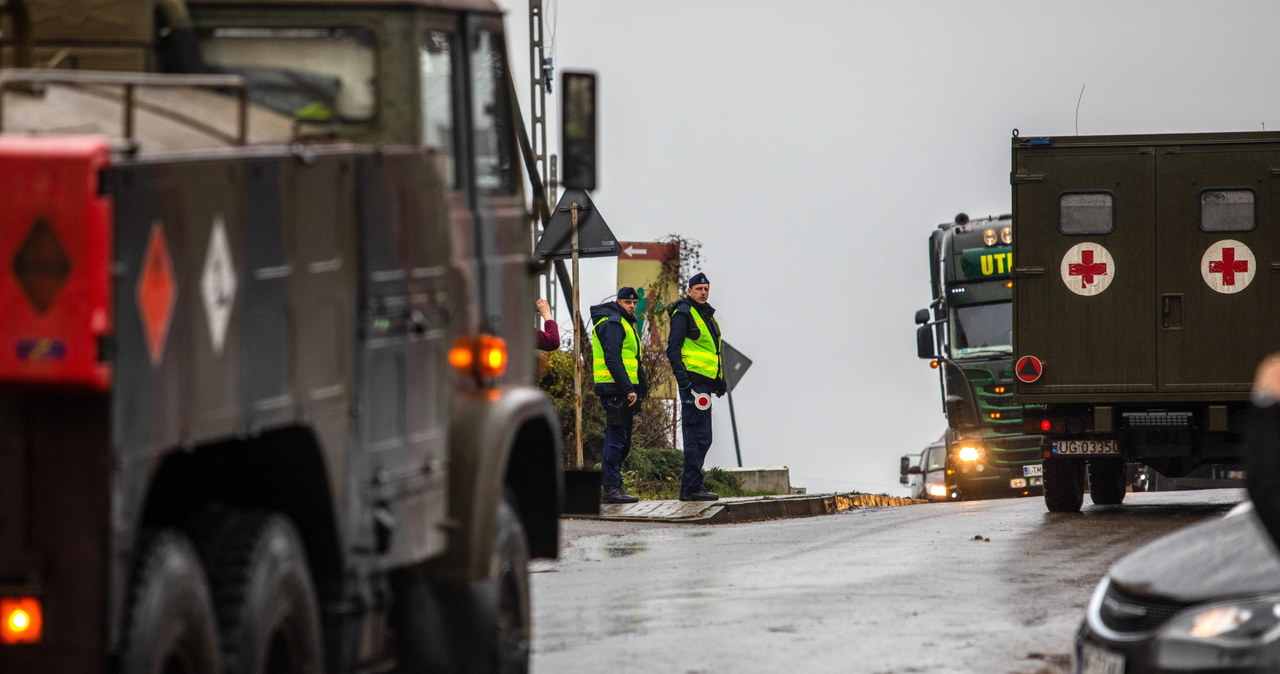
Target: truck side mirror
(922,317)
(924,342)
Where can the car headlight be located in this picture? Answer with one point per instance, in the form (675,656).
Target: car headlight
(1229,633)
(937,490)
(969,453)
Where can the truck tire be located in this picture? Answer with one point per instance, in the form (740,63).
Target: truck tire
(1063,485)
(265,599)
(493,627)
(171,625)
(418,624)
(1106,481)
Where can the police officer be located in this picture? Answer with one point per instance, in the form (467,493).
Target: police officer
(693,349)
(619,383)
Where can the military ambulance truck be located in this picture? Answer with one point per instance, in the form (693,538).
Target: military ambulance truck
(265,340)
(1144,296)
(965,333)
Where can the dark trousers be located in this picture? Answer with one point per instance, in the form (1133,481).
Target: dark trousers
(695,425)
(617,444)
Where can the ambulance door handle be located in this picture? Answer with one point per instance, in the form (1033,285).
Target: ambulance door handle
(1171,310)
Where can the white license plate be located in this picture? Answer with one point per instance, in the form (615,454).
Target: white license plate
(1085,447)
(1094,660)
(1028,471)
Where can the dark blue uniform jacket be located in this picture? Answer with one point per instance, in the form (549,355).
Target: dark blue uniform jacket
(683,326)
(611,333)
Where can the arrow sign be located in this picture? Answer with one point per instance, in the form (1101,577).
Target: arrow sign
(632,251)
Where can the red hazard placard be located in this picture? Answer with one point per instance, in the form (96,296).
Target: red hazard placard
(1028,369)
(156,293)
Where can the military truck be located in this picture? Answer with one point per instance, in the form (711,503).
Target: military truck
(266,351)
(1142,300)
(965,334)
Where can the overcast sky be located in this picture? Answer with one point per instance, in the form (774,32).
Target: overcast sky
(812,145)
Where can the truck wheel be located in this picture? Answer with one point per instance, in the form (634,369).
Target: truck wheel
(1063,485)
(171,625)
(493,633)
(419,624)
(265,599)
(1106,481)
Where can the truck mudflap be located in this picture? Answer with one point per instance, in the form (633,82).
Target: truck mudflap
(56,246)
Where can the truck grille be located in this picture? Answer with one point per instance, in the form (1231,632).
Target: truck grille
(1124,612)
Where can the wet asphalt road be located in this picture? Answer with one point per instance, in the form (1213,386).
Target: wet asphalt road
(982,586)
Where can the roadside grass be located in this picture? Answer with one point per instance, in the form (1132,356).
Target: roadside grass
(654,474)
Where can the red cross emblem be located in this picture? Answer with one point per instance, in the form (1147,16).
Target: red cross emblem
(1228,266)
(1086,268)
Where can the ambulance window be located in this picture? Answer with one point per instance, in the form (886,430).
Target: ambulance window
(1228,210)
(1086,213)
(436,62)
(489,115)
(317,74)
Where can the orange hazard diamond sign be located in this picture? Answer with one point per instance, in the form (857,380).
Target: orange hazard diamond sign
(1028,369)
(156,293)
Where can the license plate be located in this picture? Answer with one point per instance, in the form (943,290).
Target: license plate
(1028,471)
(1094,660)
(1085,447)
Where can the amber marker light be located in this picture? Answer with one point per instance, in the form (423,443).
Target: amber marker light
(999,389)
(21,620)
(994,415)
(482,355)
(933,364)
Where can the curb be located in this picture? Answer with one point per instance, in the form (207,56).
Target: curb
(744,509)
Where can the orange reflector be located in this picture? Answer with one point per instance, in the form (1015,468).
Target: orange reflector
(482,355)
(21,620)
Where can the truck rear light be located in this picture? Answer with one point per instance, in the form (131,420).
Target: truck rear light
(55,256)
(21,620)
(482,355)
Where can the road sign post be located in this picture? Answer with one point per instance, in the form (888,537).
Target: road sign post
(735,365)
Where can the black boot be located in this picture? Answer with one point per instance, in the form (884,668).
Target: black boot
(703,495)
(618,496)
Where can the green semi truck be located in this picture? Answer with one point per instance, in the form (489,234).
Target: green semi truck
(965,333)
(1143,299)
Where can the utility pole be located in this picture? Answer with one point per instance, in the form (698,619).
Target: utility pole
(540,75)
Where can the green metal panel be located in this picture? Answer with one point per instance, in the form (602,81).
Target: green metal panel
(1210,340)
(1100,343)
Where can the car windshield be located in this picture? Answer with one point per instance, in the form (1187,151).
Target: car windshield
(981,330)
(309,73)
(935,458)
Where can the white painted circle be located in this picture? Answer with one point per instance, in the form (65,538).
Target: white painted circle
(218,285)
(1228,266)
(1088,268)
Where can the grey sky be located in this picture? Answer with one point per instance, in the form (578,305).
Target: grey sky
(811,146)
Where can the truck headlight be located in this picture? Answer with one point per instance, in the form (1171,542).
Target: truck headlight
(1214,635)
(969,453)
(937,490)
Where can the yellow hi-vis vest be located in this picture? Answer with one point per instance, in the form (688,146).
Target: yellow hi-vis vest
(702,355)
(630,353)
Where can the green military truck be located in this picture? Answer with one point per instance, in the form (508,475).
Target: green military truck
(266,355)
(1143,300)
(965,333)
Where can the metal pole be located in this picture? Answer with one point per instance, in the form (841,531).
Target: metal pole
(733,421)
(577,344)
